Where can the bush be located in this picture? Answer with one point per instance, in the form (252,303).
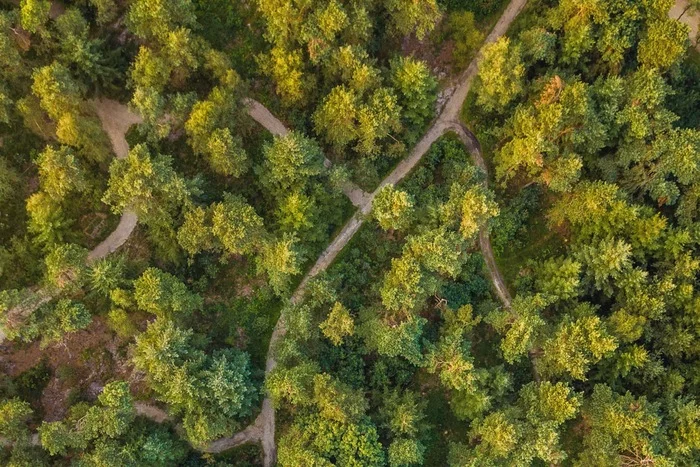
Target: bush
(31,383)
(466,35)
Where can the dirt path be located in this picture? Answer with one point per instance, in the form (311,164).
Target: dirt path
(448,120)
(116,120)
(264,117)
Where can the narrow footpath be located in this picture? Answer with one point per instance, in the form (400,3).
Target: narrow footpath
(263,429)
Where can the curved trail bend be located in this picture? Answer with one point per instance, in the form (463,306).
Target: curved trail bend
(263,429)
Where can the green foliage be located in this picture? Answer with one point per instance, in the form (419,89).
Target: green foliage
(467,38)
(418,17)
(501,75)
(575,346)
(210,390)
(520,434)
(164,295)
(620,425)
(279,260)
(416,87)
(392,208)
(520,325)
(14,414)
(338,324)
(110,418)
(34,14)
(65,267)
(314,440)
(663,44)
(236,224)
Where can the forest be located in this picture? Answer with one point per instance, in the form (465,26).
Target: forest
(349,232)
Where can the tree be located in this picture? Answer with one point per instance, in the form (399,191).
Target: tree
(286,69)
(576,344)
(110,418)
(236,224)
(416,87)
(315,440)
(520,325)
(154,20)
(107,274)
(336,116)
(621,429)
(336,401)
(107,10)
(466,36)
(57,91)
(195,234)
(279,260)
(501,75)
(293,385)
(61,97)
(338,324)
(34,14)
(14,415)
(210,390)
(393,340)
(392,208)
(605,262)
(377,118)
(476,207)
(88,57)
(60,172)
(417,16)
(404,452)
(452,360)
(9,179)
(401,290)
(519,434)
(559,278)
(438,250)
(291,161)
(663,44)
(165,295)
(65,317)
(149,186)
(538,45)
(210,128)
(65,267)
(150,70)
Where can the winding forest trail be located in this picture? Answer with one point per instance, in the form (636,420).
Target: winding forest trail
(116,120)
(263,429)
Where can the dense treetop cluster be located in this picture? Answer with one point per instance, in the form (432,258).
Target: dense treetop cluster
(401,353)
